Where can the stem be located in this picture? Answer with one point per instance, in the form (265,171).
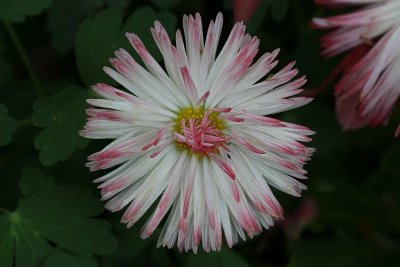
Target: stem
(24,58)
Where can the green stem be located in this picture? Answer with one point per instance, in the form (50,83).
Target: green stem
(24,58)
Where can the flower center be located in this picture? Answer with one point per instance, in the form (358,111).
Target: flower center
(199,131)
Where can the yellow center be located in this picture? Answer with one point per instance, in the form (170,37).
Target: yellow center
(197,114)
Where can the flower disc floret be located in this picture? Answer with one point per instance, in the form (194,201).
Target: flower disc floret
(199,131)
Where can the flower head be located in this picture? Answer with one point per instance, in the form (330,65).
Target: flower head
(192,137)
(369,88)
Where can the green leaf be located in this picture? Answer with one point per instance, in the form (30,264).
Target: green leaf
(257,18)
(165,4)
(230,258)
(61,258)
(62,215)
(19,240)
(117,3)
(279,9)
(33,180)
(227,4)
(140,22)
(17,10)
(98,38)
(64,19)
(6,72)
(95,42)
(131,245)
(225,258)
(386,180)
(335,251)
(7,126)
(161,257)
(62,115)
(202,259)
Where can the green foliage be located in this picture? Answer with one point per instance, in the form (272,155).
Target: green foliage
(95,43)
(202,259)
(19,240)
(33,180)
(17,10)
(257,19)
(64,19)
(229,258)
(131,246)
(61,215)
(225,258)
(5,72)
(98,38)
(8,126)
(343,250)
(167,4)
(61,258)
(334,252)
(279,9)
(62,116)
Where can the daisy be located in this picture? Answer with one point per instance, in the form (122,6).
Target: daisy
(192,143)
(369,88)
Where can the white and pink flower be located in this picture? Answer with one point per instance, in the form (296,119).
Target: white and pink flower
(193,137)
(370,87)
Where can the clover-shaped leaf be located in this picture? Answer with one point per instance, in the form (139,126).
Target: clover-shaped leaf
(60,215)
(97,38)
(17,10)
(7,126)
(64,19)
(33,180)
(61,258)
(62,116)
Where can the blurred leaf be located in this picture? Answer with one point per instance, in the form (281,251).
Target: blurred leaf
(386,180)
(64,19)
(117,3)
(98,38)
(202,259)
(131,245)
(60,214)
(62,115)
(225,258)
(33,181)
(227,4)
(336,251)
(16,10)
(279,9)
(7,126)
(229,258)
(161,257)
(258,17)
(61,258)
(6,71)
(165,4)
